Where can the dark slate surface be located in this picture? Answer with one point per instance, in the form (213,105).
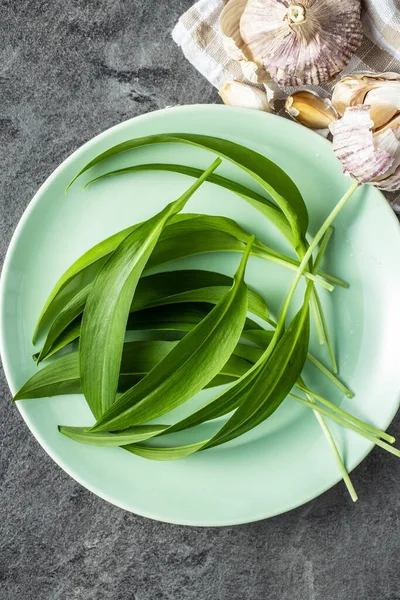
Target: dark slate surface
(68,70)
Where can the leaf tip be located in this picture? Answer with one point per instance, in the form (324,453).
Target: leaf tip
(70,183)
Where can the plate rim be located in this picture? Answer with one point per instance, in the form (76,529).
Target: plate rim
(7,368)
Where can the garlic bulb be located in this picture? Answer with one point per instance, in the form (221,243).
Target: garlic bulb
(304,42)
(369,157)
(379,90)
(309,109)
(229,24)
(237,93)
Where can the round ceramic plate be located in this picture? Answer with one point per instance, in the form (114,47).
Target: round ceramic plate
(286,461)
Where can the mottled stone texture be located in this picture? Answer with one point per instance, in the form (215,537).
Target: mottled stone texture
(68,70)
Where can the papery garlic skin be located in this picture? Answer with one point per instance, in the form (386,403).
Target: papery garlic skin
(306,42)
(369,158)
(379,90)
(236,93)
(254,73)
(308,109)
(229,25)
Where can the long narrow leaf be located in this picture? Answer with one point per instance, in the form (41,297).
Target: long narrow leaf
(267,392)
(189,366)
(108,304)
(183,317)
(241,190)
(171,287)
(185,235)
(129,436)
(62,376)
(278,185)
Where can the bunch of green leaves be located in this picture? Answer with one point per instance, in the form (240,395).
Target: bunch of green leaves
(128,384)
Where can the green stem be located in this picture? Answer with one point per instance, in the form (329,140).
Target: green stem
(282,316)
(339,384)
(339,461)
(326,333)
(308,254)
(293,266)
(333,279)
(336,454)
(378,432)
(314,300)
(315,304)
(347,424)
(317,317)
(318,236)
(323,335)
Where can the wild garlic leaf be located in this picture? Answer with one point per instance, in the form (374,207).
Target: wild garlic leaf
(108,305)
(197,358)
(185,235)
(268,384)
(62,376)
(159,289)
(169,317)
(272,178)
(257,200)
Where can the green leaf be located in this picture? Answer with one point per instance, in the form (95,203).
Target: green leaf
(273,383)
(65,317)
(266,392)
(249,195)
(279,185)
(260,202)
(108,304)
(170,287)
(176,287)
(255,396)
(58,377)
(292,219)
(185,235)
(138,359)
(269,385)
(129,436)
(197,358)
(181,317)
(191,234)
(92,256)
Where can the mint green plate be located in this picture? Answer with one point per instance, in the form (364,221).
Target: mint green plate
(285,461)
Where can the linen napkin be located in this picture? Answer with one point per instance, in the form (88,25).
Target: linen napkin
(197,33)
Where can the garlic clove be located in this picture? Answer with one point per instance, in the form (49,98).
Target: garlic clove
(385,104)
(349,91)
(380,90)
(309,109)
(301,43)
(229,25)
(353,145)
(388,139)
(236,93)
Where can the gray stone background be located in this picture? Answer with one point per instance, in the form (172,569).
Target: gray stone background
(68,70)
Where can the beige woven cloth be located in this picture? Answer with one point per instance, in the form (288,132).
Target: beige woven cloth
(197,33)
